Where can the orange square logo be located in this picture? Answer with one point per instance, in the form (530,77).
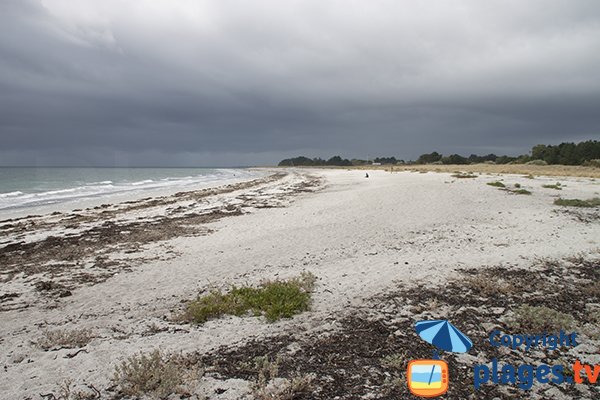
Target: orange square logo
(427,378)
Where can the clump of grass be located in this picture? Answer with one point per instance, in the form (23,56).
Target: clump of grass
(65,339)
(517,185)
(394,361)
(529,176)
(461,175)
(269,386)
(273,299)
(556,186)
(148,375)
(541,319)
(496,184)
(489,286)
(521,191)
(595,202)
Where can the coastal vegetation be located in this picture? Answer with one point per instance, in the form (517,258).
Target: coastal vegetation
(583,153)
(461,175)
(65,339)
(148,374)
(270,386)
(496,184)
(541,319)
(595,202)
(520,191)
(517,188)
(555,186)
(273,299)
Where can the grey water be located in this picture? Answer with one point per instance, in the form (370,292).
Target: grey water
(22,187)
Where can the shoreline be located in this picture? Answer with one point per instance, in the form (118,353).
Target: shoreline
(131,267)
(88,201)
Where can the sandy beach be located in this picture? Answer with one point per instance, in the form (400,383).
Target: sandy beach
(382,248)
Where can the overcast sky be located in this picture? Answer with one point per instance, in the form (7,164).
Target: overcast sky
(190,82)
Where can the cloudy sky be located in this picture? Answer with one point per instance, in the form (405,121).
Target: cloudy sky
(223,82)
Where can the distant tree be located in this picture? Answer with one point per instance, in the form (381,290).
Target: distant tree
(567,153)
(339,161)
(475,159)
(564,153)
(454,159)
(587,151)
(385,160)
(429,158)
(296,161)
(505,159)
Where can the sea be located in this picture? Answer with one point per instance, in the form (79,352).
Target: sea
(31,187)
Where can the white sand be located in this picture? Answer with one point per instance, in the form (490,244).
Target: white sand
(359,236)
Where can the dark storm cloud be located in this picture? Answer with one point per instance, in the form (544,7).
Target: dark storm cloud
(235,82)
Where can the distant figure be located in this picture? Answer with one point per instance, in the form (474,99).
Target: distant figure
(366,175)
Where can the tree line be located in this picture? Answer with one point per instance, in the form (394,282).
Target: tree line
(582,153)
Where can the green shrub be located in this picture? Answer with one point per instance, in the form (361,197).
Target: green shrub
(394,361)
(273,299)
(521,191)
(556,186)
(148,375)
(541,319)
(595,202)
(497,184)
(461,175)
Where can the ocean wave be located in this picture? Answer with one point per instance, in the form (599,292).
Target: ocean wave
(10,194)
(106,188)
(144,182)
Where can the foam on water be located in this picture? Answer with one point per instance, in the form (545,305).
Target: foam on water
(58,189)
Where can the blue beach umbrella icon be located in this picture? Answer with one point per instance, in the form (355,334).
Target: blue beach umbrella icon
(443,335)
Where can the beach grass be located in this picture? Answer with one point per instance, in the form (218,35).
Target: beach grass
(520,191)
(461,175)
(273,299)
(595,202)
(541,319)
(556,186)
(150,374)
(65,339)
(270,386)
(496,184)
